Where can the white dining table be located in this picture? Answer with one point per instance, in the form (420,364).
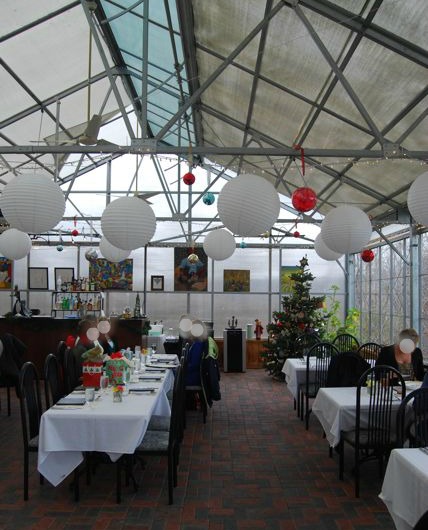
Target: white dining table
(336,410)
(405,487)
(66,432)
(295,373)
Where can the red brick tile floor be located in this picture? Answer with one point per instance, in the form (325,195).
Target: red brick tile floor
(251,466)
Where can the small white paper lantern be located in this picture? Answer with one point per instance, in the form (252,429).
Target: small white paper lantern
(128,223)
(112,253)
(323,251)
(417,199)
(346,229)
(91,254)
(15,244)
(219,244)
(248,205)
(32,203)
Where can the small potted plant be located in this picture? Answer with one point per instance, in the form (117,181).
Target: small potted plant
(117,393)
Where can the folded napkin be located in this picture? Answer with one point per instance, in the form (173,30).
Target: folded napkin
(71,401)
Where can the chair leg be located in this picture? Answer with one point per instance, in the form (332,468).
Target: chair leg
(308,413)
(341,449)
(76,488)
(8,400)
(357,474)
(25,475)
(294,404)
(302,402)
(204,409)
(170,478)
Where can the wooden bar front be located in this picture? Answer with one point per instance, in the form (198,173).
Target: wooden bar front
(254,349)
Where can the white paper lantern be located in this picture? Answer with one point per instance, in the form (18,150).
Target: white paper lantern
(407,346)
(346,229)
(417,199)
(92,334)
(219,244)
(32,203)
(112,253)
(128,223)
(248,205)
(15,244)
(323,251)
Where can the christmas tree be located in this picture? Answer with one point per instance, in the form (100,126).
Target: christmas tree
(300,315)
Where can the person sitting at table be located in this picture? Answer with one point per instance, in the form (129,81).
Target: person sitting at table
(82,343)
(408,363)
(107,340)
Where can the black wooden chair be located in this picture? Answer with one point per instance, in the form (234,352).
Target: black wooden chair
(316,378)
(302,345)
(422,524)
(53,383)
(12,352)
(375,435)
(31,412)
(71,372)
(346,342)
(412,419)
(369,351)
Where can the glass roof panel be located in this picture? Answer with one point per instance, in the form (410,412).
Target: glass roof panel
(163,89)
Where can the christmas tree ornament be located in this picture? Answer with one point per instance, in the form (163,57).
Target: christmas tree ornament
(242,244)
(346,229)
(303,262)
(367,255)
(208,198)
(75,233)
(417,199)
(304,199)
(193,258)
(60,248)
(91,254)
(296,234)
(189,178)
(248,205)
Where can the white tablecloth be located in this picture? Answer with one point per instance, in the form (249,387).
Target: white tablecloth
(295,373)
(336,410)
(405,487)
(104,426)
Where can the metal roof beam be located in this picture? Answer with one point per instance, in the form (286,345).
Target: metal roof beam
(375,33)
(218,71)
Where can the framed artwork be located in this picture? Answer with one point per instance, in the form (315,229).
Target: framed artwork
(38,278)
(190,276)
(236,281)
(5,273)
(110,275)
(64,274)
(157,283)
(287,281)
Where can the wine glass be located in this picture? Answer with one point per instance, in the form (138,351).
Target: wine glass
(104,382)
(154,348)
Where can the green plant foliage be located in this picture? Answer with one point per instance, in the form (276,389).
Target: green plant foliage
(333,324)
(301,314)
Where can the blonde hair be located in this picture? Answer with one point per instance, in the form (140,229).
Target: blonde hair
(409,333)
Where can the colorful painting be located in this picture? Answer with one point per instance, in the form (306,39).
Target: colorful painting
(5,273)
(286,281)
(189,275)
(108,275)
(236,281)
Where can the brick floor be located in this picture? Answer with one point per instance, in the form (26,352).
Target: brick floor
(252,466)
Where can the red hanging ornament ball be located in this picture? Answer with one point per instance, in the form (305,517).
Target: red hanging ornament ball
(75,233)
(296,234)
(304,199)
(189,178)
(367,255)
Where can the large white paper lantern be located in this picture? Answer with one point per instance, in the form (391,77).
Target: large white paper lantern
(15,244)
(346,229)
(32,203)
(248,205)
(417,199)
(112,253)
(323,251)
(128,223)
(219,244)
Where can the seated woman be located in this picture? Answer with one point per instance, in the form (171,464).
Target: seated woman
(81,343)
(409,364)
(107,340)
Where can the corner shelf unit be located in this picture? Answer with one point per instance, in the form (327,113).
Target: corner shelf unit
(76,303)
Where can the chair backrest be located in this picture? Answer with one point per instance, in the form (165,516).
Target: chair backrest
(346,342)
(378,418)
(422,524)
(346,369)
(304,343)
(30,402)
(60,352)
(369,351)
(323,352)
(412,419)
(53,383)
(176,425)
(71,377)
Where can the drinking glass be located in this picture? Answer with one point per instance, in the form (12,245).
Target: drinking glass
(104,382)
(154,347)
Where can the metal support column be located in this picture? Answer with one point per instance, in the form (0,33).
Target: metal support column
(349,282)
(145,281)
(415,297)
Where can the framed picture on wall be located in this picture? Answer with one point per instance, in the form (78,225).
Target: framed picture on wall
(38,279)
(5,273)
(110,275)
(157,283)
(63,275)
(236,281)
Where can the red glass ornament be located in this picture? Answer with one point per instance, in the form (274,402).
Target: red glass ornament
(189,179)
(304,199)
(75,233)
(296,234)
(301,325)
(367,255)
